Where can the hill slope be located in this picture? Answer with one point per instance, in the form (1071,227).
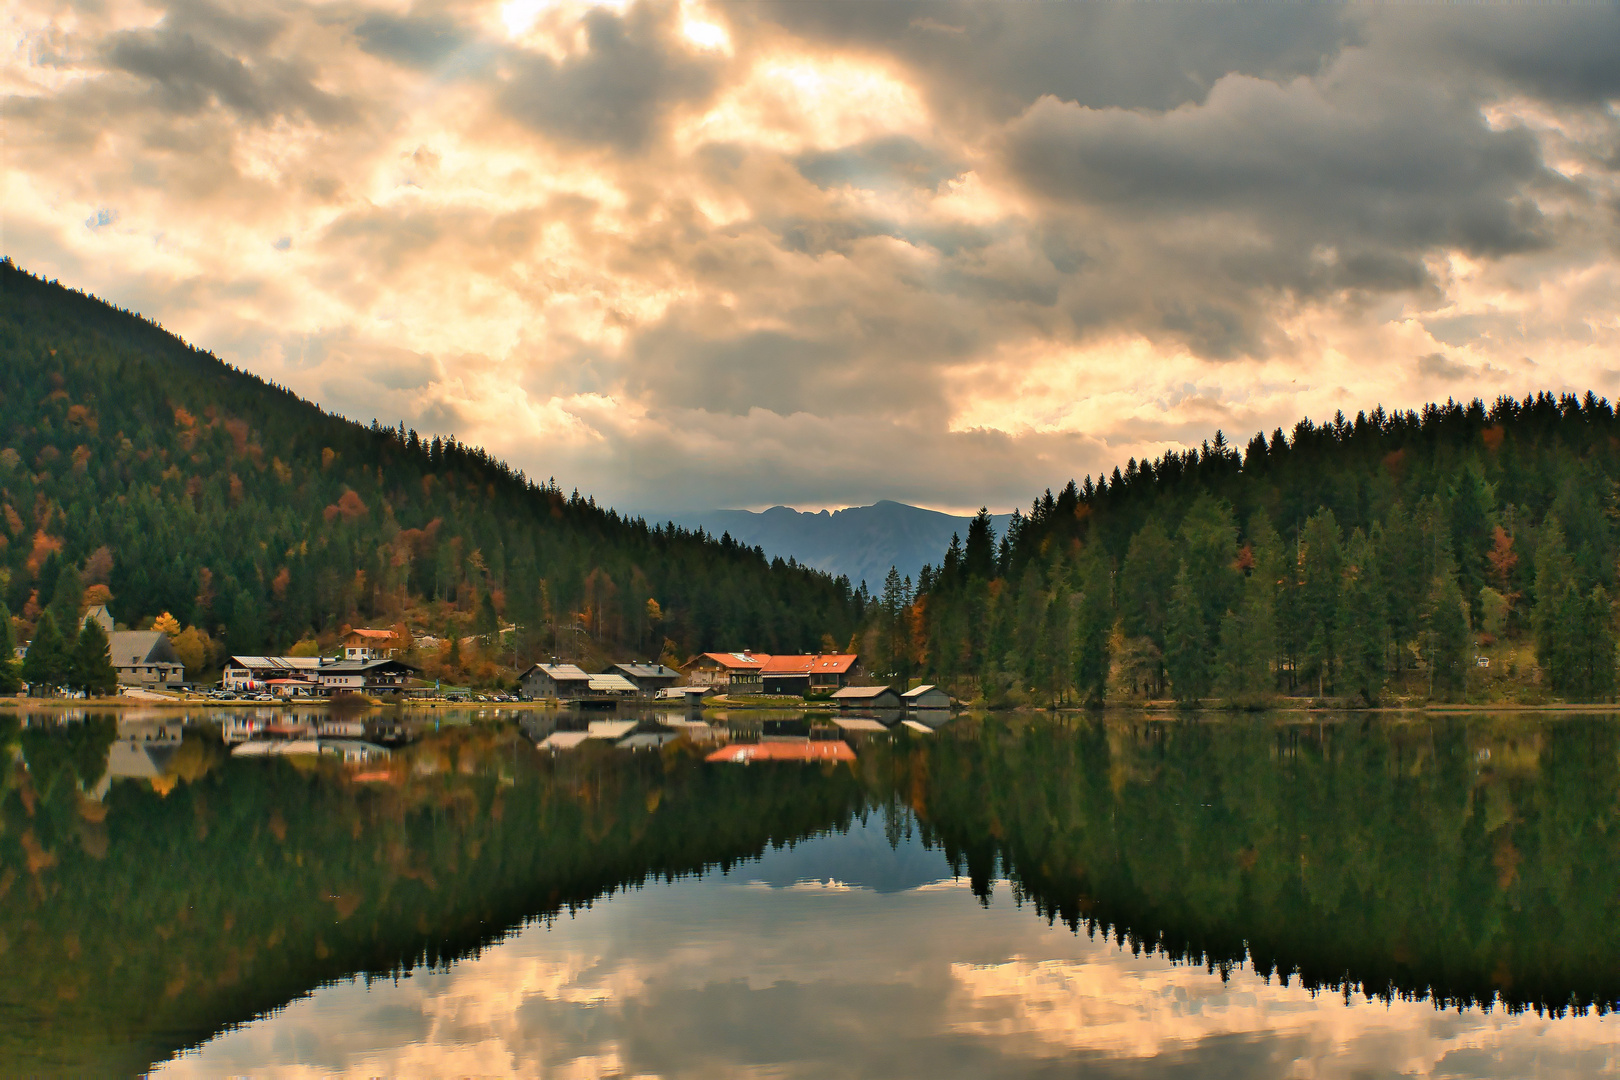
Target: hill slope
(1465,552)
(860,543)
(135,461)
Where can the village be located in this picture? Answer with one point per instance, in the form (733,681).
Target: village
(371,666)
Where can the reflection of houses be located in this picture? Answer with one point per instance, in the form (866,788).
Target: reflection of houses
(145,658)
(805,750)
(926,697)
(866,697)
(800,676)
(363,644)
(649,679)
(731,672)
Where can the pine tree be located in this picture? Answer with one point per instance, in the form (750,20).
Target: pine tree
(1446,635)
(1363,629)
(10,679)
(1186,656)
(92,668)
(46,666)
(1321,569)
(1145,581)
(1093,623)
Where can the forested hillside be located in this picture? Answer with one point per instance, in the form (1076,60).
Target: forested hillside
(1464,551)
(139,470)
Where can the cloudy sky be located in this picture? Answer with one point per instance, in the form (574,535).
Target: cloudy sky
(694,254)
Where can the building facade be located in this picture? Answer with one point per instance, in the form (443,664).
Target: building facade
(146,659)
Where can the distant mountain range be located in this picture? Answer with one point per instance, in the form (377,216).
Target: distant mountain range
(861,542)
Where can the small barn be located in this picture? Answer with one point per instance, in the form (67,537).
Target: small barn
(926,696)
(866,697)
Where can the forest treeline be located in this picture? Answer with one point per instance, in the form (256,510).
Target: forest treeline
(1392,555)
(138,471)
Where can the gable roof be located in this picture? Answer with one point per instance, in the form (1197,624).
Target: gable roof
(374,635)
(818,664)
(734,661)
(558,672)
(862,693)
(919,691)
(612,684)
(131,647)
(647,671)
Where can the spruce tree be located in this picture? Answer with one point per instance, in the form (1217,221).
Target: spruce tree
(1321,568)
(1446,639)
(47,664)
(1186,655)
(10,679)
(92,666)
(1363,629)
(1094,621)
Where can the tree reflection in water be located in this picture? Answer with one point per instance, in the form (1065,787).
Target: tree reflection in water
(1465,858)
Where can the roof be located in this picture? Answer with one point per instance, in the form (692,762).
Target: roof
(612,684)
(647,671)
(861,693)
(276,663)
(609,729)
(818,750)
(734,661)
(361,667)
(376,635)
(853,723)
(559,672)
(127,647)
(923,729)
(919,691)
(563,740)
(647,740)
(819,664)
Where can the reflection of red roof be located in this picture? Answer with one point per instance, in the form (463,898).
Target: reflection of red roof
(817,750)
(829,663)
(735,661)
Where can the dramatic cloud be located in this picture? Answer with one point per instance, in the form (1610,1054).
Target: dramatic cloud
(684,254)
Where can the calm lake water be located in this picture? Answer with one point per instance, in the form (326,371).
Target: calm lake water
(1010,896)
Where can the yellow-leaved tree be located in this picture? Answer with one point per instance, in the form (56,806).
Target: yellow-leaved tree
(167,624)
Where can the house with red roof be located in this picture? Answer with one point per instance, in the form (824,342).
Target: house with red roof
(731,672)
(801,676)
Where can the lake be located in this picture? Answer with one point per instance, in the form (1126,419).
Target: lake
(1012,895)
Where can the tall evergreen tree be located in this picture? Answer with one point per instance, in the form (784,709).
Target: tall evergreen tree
(1363,628)
(1145,582)
(1321,568)
(10,678)
(1446,636)
(1094,619)
(92,668)
(47,665)
(1187,641)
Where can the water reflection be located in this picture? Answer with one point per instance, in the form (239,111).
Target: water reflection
(988,896)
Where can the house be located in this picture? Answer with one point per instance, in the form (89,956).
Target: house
(799,676)
(145,658)
(560,681)
(926,696)
(251,672)
(731,672)
(363,676)
(101,617)
(866,697)
(363,644)
(649,679)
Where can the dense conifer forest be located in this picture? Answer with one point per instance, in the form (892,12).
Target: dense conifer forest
(138,471)
(1462,552)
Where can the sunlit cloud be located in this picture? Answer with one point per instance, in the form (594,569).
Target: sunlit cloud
(685,254)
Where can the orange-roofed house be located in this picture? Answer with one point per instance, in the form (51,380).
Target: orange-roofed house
(363,644)
(803,676)
(732,672)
